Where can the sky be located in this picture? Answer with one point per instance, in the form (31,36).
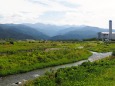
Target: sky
(59,12)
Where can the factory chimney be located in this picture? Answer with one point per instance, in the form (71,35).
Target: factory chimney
(110,29)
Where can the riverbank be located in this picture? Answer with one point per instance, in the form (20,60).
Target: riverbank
(12,79)
(24,62)
(96,73)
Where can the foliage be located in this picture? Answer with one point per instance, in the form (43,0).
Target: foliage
(90,39)
(113,53)
(11,42)
(25,56)
(88,74)
(99,46)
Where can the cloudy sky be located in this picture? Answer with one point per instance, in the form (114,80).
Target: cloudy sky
(59,12)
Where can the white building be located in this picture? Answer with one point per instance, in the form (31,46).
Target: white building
(107,35)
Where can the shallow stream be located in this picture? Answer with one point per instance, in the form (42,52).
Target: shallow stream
(11,80)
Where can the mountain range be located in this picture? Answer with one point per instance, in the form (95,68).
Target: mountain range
(48,32)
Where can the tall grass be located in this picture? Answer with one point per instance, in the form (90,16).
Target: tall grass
(99,46)
(24,56)
(88,74)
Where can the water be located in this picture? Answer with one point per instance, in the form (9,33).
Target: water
(12,79)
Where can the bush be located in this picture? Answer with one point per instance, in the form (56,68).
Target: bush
(11,42)
(113,53)
(88,74)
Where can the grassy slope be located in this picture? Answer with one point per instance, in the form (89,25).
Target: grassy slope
(25,56)
(99,73)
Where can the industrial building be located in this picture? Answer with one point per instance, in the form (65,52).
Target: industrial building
(107,35)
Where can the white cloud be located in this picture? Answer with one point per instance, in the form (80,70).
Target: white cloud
(23,10)
(79,12)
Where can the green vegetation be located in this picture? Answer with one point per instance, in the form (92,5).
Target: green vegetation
(23,56)
(99,46)
(99,73)
(113,53)
(90,39)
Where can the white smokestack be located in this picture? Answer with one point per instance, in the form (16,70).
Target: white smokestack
(110,29)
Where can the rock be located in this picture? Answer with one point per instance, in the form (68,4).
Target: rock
(18,83)
(36,75)
(24,80)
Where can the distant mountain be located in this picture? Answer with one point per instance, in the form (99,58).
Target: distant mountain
(71,28)
(8,33)
(67,31)
(81,28)
(78,33)
(19,31)
(50,30)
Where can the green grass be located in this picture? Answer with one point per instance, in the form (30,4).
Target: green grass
(99,73)
(99,46)
(25,56)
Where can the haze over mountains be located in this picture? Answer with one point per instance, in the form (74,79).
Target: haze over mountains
(48,32)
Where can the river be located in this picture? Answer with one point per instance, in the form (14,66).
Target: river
(11,80)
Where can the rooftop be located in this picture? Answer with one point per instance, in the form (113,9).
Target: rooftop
(107,32)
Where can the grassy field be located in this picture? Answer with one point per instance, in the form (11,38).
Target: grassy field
(99,46)
(24,56)
(99,73)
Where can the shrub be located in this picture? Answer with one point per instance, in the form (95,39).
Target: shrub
(113,53)
(11,42)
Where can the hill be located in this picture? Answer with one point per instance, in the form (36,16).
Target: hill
(19,31)
(78,33)
(48,29)
(48,32)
